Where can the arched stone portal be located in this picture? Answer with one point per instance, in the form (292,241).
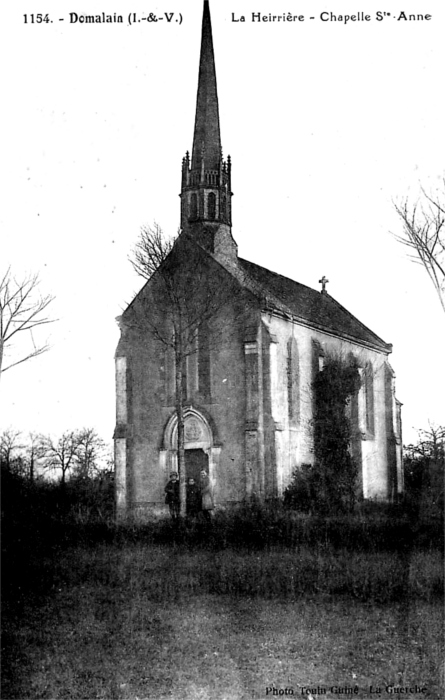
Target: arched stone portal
(199,441)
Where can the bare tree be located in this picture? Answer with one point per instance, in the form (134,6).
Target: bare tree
(61,454)
(424,234)
(22,309)
(431,444)
(186,298)
(21,454)
(150,250)
(34,451)
(11,445)
(90,453)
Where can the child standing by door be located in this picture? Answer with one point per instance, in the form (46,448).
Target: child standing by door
(193,498)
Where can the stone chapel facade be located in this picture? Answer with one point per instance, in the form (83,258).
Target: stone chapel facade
(248,384)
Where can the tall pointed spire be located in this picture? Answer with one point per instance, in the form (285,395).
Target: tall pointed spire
(207,137)
(206,197)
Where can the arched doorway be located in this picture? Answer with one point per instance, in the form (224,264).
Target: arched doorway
(200,450)
(195,462)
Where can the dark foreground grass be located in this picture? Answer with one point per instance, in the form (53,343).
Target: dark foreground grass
(139,621)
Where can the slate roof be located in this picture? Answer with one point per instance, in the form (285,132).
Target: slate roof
(311,307)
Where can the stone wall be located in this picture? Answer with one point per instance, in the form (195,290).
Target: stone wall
(294,445)
(255,424)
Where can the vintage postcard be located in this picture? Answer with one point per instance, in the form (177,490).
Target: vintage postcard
(222,297)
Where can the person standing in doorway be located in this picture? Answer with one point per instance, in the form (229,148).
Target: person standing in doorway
(193,498)
(207,503)
(172,496)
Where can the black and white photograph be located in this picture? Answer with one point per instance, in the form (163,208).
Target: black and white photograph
(222,327)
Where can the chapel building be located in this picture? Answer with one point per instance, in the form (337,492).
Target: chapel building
(252,343)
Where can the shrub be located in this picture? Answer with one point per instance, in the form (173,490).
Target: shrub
(300,494)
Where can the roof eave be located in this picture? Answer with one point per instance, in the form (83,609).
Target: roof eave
(385,348)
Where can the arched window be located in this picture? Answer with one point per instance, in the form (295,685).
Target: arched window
(293,382)
(211,206)
(369,396)
(169,374)
(193,206)
(204,361)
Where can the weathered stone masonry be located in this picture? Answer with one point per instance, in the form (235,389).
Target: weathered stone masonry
(249,401)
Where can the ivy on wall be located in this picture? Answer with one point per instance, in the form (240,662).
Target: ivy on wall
(334,473)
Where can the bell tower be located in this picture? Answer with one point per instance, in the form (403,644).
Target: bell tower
(206,207)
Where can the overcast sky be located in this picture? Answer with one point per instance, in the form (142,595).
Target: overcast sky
(327,123)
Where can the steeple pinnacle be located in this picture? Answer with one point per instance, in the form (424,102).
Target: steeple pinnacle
(206,197)
(207,137)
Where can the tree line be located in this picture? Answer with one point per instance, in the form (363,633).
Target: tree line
(74,455)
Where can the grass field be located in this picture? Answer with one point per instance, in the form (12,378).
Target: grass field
(136,621)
